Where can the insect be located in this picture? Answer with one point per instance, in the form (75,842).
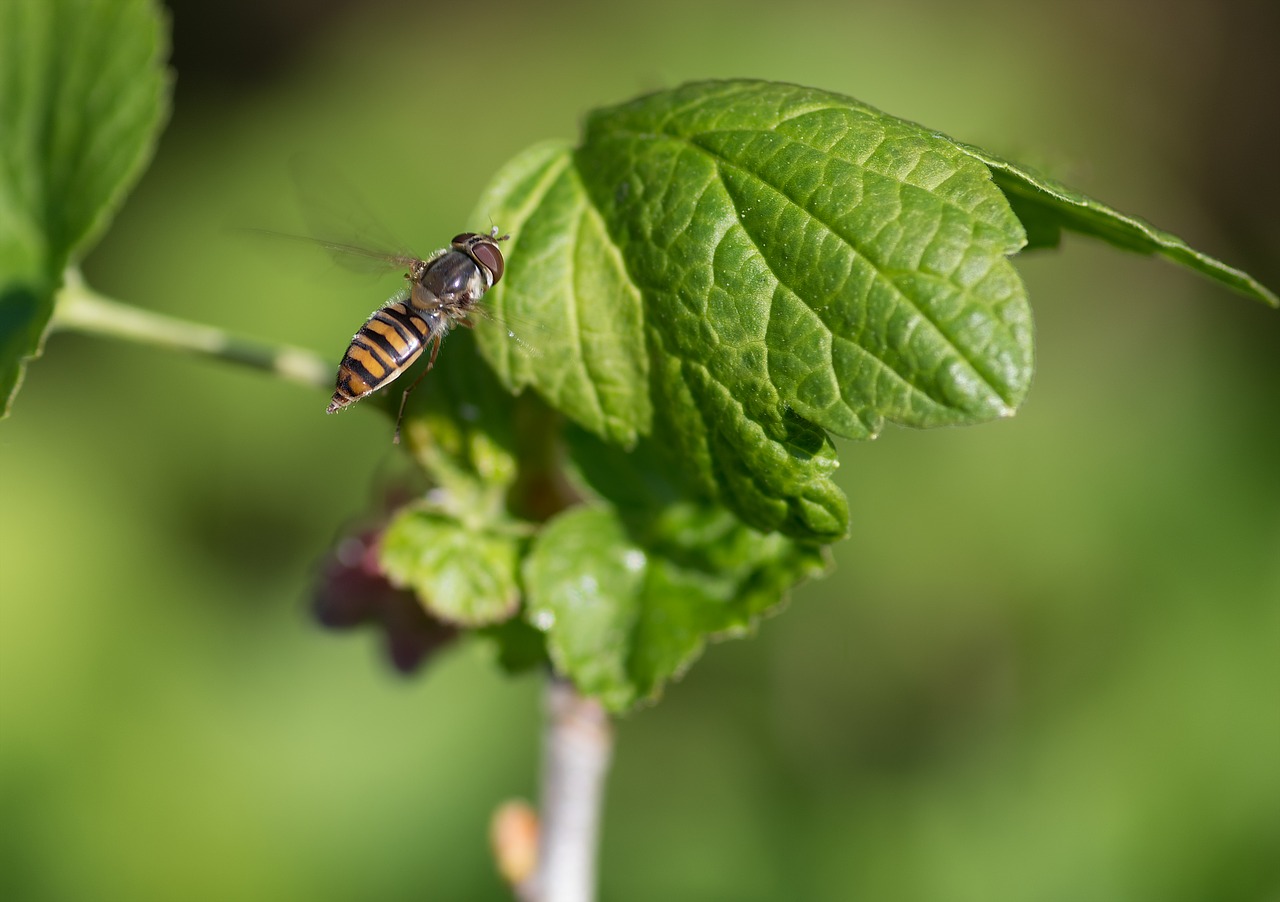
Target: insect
(443,291)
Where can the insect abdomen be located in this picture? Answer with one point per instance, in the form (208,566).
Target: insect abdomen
(386,345)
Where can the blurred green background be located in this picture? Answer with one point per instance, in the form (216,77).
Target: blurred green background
(1046,667)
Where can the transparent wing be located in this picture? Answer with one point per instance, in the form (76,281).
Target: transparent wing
(341,222)
(350,256)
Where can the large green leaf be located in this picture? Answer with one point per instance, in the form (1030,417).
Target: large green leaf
(83,93)
(780,263)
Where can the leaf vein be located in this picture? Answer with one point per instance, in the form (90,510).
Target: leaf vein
(882,272)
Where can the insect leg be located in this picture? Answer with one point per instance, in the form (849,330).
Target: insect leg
(404,399)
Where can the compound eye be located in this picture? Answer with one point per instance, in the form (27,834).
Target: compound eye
(461,241)
(488,256)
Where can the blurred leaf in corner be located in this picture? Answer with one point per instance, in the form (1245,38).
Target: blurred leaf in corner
(83,95)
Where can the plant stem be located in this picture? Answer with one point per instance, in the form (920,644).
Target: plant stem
(81,309)
(577,746)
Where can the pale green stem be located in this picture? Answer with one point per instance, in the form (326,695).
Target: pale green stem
(577,748)
(81,309)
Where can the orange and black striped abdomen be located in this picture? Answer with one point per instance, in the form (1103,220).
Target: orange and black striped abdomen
(385,347)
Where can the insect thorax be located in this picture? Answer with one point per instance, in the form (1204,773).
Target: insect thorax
(454,279)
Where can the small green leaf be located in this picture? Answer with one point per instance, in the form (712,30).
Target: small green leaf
(584,579)
(1046,207)
(627,608)
(462,572)
(83,93)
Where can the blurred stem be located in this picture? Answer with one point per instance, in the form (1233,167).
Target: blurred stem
(577,747)
(79,308)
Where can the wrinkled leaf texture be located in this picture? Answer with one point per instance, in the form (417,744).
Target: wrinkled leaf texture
(744,269)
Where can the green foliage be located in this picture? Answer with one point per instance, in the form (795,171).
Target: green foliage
(591,362)
(459,549)
(628,605)
(728,274)
(1053,624)
(464,573)
(721,279)
(782,263)
(83,94)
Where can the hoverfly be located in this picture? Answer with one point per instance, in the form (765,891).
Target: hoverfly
(443,291)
